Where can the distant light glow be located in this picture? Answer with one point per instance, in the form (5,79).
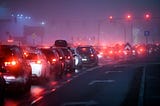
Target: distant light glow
(128,16)
(42,23)
(110,17)
(147,16)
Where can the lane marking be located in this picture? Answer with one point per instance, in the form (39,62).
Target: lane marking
(101,81)
(91,69)
(36,100)
(62,84)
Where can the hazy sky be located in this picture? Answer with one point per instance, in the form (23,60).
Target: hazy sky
(82,9)
(87,12)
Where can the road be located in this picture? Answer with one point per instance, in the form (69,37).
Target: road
(106,85)
(126,83)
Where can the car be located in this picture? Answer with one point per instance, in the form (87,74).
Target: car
(15,69)
(61,59)
(88,54)
(69,58)
(53,58)
(39,64)
(62,45)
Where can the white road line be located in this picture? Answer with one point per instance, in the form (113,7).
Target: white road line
(76,76)
(36,100)
(141,93)
(101,81)
(91,69)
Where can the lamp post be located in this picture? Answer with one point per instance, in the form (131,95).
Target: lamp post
(129,20)
(99,32)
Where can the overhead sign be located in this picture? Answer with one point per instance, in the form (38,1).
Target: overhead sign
(146,33)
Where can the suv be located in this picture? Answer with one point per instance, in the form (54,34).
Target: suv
(53,58)
(14,68)
(39,64)
(62,45)
(69,58)
(88,54)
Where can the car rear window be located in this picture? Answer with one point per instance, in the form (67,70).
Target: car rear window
(32,56)
(84,50)
(5,51)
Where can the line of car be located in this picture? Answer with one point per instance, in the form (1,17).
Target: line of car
(20,65)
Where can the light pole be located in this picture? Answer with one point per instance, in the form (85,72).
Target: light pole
(99,31)
(129,20)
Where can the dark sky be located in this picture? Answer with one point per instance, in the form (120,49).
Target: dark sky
(82,9)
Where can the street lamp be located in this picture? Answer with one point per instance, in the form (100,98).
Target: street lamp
(147,16)
(110,18)
(129,17)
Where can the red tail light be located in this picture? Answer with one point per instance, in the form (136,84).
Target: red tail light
(54,60)
(11,63)
(111,52)
(141,49)
(69,57)
(38,62)
(92,55)
(60,58)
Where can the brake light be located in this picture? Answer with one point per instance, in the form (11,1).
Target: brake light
(141,49)
(10,63)
(69,57)
(39,62)
(54,60)
(119,51)
(60,58)
(25,54)
(92,55)
(111,52)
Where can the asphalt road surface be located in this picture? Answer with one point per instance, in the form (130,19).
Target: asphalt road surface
(129,83)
